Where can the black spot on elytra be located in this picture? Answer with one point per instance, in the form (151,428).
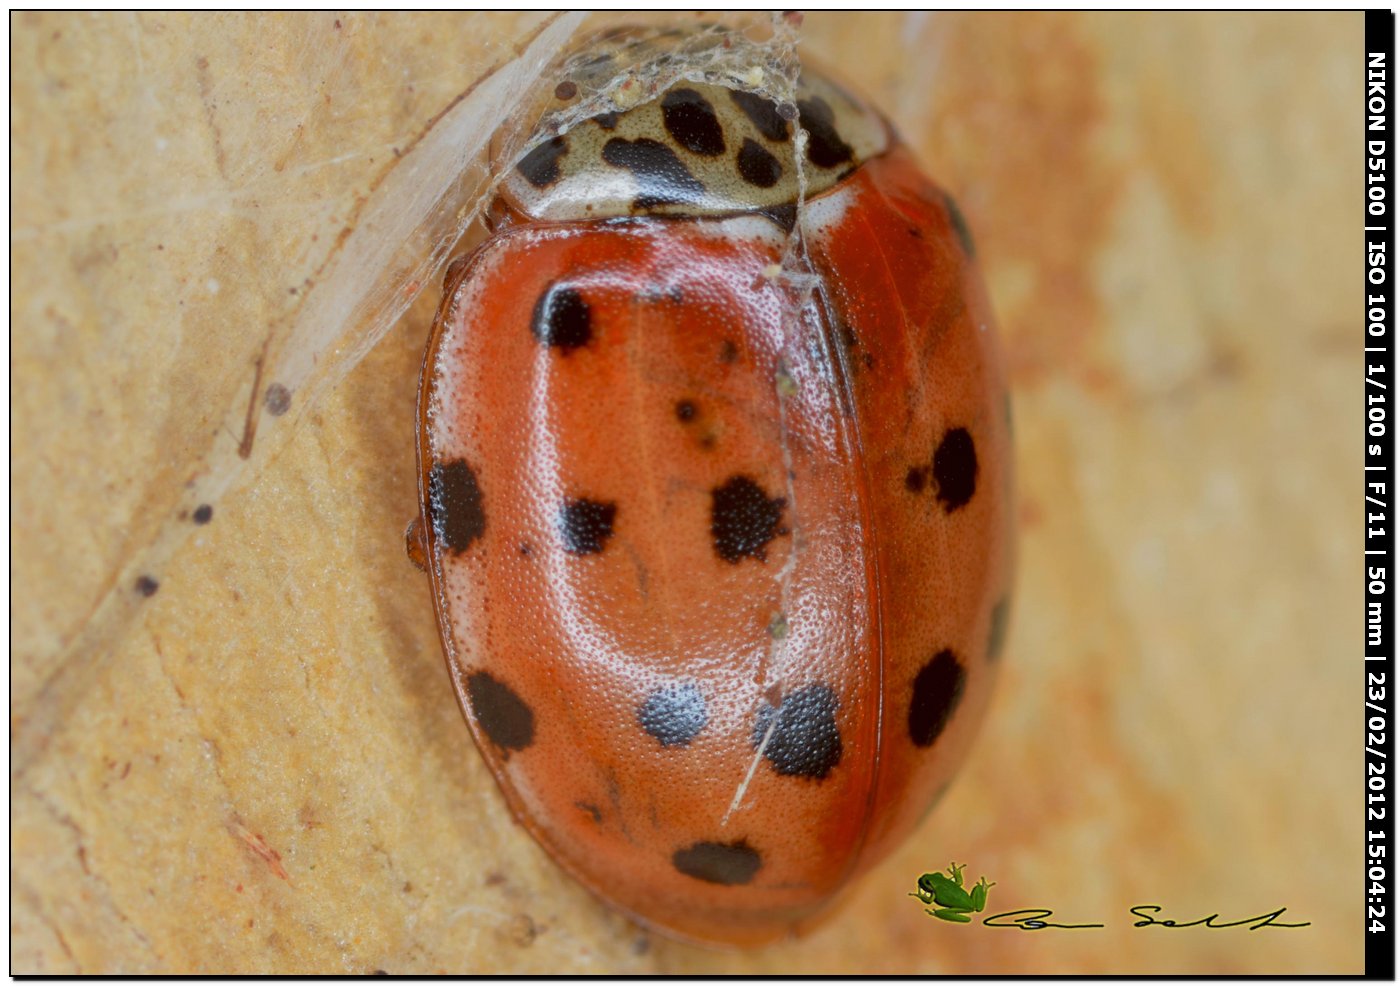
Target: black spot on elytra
(502,715)
(728,352)
(805,740)
(938,687)
(585,525)
(662,178)
(455,500)
(685,410)
(691,122)
(726,863)
(955,469)
(203,514)
(541,166)
(763,114)
(608,121)
(562,319)
(960,226)
(743,519)
(825,148)
(147,586)
(591,810)
(674,714)
(996,638)
(757,166)
(916,479)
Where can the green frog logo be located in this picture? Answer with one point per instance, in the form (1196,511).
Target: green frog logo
(954,902)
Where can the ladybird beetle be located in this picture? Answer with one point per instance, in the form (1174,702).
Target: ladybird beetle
(716,497)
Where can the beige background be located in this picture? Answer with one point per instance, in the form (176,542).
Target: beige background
(261,767)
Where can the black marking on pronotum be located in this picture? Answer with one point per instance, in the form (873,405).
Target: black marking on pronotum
(784,216)
(455,501)
(763,113)
(562,319)
(955,469)
(805,741)
(674,714)
(726,863)
(757,166)
(541,166)
(662,178)
(743,519)
(690,120)
(938,688)
(825,148)
(586,525)
(502,714)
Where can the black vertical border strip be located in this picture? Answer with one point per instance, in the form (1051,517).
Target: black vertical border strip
(1380,907)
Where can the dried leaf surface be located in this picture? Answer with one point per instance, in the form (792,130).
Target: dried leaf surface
(259,767)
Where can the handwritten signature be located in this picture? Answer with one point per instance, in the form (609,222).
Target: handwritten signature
(1034,919)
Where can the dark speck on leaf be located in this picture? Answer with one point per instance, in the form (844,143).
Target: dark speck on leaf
(277,400)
